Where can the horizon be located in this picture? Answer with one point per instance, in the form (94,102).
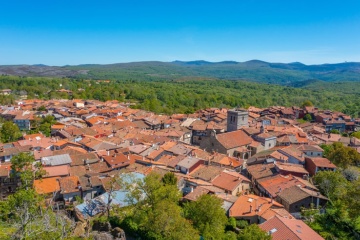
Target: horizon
(184,61)
(73,33)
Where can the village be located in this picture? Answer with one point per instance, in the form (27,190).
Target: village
(259,162)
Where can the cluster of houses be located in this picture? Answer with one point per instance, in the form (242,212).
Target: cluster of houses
(258,161)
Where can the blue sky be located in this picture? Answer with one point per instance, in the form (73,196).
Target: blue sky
(80,32)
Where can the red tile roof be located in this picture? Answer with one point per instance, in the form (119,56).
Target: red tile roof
(234,139)
(282,228)
(252,205)
(47,185)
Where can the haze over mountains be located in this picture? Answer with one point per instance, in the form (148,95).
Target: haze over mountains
(291,74)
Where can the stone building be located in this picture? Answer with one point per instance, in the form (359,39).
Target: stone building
(236,119)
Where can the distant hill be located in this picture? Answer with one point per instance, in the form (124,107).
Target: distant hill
(39,70)
(292,74)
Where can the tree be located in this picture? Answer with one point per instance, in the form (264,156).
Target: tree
(45,128)
(9,132)
(231,224)
(169,179)
(307,117)
(23,165)
(253,232)
(30,220)
(165,222)
(156,214)
(351,174)
(335,131)
(307,103)
(356,134)
(41,108)
(343,156)
(327,149)
(331,184)
(207,216)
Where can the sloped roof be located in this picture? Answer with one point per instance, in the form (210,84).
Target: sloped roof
(56,160)
(234,139)
(47,185)
(284,228)
(251,205)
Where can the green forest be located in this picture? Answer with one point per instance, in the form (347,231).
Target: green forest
(187,94)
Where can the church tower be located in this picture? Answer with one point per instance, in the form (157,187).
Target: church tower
(237,118)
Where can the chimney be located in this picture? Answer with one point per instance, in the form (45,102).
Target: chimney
(108,152)
(192,189)
(128,156)
(250,208)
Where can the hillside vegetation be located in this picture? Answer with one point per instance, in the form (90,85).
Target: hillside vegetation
(186,95)
(255,71)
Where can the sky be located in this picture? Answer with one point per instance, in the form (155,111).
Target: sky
(58,33)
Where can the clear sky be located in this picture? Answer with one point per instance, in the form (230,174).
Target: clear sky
(60,32)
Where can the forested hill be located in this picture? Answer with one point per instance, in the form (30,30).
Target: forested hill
(255,70)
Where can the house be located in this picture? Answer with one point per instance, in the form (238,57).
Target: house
(56,160)
(117,160)
(7,151)
(273,186)
(294,155)
(293,169)
(8,183)
(188,164)
(281,228)
(295,198)
(260,171)
(56,171)
(228,200)
(206,172)
(316,164)
(38,143)
(194,194)
(233,143)
(70,188)
(23,120)
(179,149)
(232,182)
(287,113)
(338,125)
(83,159)
(266,139)
(50,187)
(252,207)
(311,150)
(5,91)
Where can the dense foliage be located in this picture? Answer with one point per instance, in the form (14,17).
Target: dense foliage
(342,217)
(157,213)
(9,132)
(342,156)
(184,95)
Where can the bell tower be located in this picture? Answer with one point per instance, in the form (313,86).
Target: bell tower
(236,119)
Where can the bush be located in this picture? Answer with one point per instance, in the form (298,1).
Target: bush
(242,224)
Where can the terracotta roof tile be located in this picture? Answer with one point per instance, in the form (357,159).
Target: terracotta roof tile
(282,228)
(47,185)
(234,139)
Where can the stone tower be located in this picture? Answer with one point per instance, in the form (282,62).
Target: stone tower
(237,118)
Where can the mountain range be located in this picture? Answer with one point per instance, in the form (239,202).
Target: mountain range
(291,74)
